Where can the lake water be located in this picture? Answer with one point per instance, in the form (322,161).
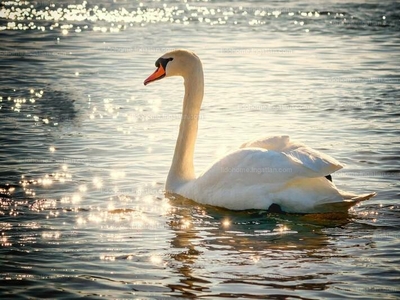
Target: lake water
(86,148)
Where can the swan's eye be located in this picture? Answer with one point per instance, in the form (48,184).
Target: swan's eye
(163,62)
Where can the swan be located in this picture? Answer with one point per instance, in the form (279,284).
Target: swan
(262,174)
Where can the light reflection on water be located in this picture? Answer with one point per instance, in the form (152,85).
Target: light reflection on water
(85,148)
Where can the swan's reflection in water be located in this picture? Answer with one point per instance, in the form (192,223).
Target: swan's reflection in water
(249,253)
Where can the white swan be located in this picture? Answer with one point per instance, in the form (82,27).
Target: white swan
(269,171)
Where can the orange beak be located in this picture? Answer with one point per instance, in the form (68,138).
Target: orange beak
(157,75)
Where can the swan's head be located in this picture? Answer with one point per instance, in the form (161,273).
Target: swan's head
(174,63)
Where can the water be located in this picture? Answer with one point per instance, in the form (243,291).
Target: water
(85,148)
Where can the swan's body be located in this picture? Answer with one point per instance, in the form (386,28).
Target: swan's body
(263,172)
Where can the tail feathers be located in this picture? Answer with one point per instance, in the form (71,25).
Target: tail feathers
(363,197)
(353,198)
(344,205)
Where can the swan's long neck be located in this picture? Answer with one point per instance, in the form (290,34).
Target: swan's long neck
(182,168)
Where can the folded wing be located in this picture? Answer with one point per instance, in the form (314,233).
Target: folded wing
(312,159)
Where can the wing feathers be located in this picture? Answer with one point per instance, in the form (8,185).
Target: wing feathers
(322,164)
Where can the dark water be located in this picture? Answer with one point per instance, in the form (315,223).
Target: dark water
(85,148)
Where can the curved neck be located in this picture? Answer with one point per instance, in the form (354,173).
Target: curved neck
(182,168)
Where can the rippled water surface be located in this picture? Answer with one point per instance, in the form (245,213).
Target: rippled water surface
(85,148)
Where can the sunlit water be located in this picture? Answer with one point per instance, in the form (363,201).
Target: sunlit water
(85,148)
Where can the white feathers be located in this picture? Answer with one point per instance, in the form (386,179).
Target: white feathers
(321,163)
(255,178)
